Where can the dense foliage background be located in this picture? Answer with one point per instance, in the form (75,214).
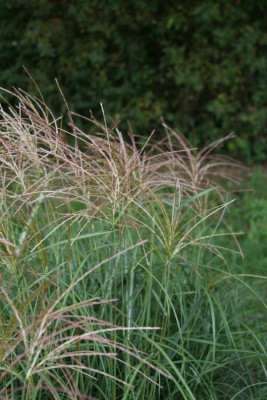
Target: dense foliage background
(199,64)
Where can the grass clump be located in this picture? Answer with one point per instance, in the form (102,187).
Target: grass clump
(116,279)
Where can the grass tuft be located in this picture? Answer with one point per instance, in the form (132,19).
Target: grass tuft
(120,270)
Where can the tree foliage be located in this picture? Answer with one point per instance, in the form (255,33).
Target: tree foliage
(201,64)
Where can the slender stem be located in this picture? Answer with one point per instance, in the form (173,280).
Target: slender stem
(24,233)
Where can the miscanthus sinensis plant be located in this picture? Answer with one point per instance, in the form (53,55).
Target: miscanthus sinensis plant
(115,280)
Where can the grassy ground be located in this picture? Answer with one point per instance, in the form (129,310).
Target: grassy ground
(121,275)
(250,216)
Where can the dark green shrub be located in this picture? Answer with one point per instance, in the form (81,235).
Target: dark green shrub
(201,64)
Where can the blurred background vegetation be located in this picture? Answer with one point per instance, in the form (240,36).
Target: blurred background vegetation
(199,64)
